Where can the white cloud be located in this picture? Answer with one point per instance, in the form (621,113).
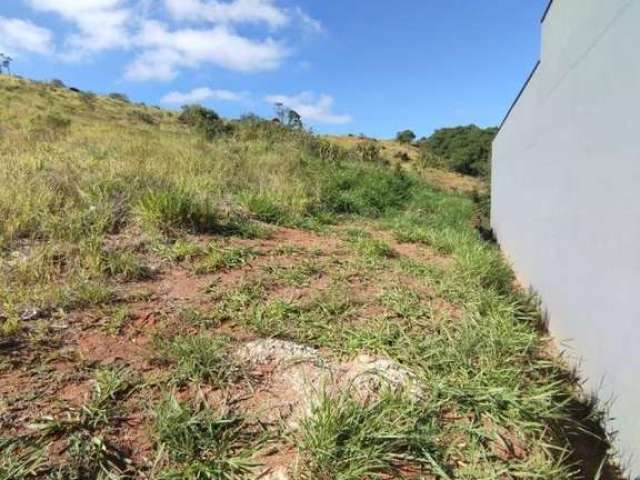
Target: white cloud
(166,51)
(101,24)
(203,94)
(311,107)
(237,11)
(307,22)
(18,35)
(162,50)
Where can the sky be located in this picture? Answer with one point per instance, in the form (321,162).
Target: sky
(347,66)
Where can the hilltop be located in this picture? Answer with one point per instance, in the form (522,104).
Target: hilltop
(188,297)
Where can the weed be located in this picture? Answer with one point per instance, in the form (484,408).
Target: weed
(406,304)
(21,459)
(92,457)
(179,251)
(124,265)
(201,358)
(204,444)
(296,275)
(198,318)
(111,385)
(117,320)
(173,210)
(9,327)
(373,250)
(346,440)
(217,258)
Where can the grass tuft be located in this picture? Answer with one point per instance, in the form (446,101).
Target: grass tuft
(206,444)
(200,358)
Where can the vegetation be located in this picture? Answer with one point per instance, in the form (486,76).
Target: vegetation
(406,136)
(465,150)
(137,259)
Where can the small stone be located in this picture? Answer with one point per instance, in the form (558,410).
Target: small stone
(368,377)
(260,352)
(32,314)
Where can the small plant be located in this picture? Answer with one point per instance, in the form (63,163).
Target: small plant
(117,320)
(92,457)
(344,439)
(374,249)
(200,358)
(203,443)
(217,258)
(9,327)
(371,249)
(406,304)
(198,318)
(111,385)
(180,251)
(295,275)
(176,209)
(124,265)
(22,459)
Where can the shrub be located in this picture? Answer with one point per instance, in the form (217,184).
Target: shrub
(120,97)
(406,136)
(365,190)
(368,152)
(175,209)
(465,150)
(57,83)
(144,117)
(205,120)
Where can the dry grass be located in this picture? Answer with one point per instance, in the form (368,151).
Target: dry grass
(137,256)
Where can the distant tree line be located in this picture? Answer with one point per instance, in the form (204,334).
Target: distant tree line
(464,149)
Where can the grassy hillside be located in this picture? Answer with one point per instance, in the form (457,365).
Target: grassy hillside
(411,158)
(145,263)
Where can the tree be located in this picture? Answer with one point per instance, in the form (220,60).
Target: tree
(295,120)
(5,63)
(465,150)
(281,112)
(406,136)
(287,116)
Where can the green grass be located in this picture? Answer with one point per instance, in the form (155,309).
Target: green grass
(200,358)
(83,175)
(295,275)
(21,460)
(343,439)
(217,258)
(203,443)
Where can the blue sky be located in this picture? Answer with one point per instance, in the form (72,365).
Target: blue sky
(360,66)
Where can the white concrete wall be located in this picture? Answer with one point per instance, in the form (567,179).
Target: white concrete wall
(566,196)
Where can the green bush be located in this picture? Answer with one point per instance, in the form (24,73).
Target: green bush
(175,209)
(365,190)
(406,136)
(465,150)
(207,121)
